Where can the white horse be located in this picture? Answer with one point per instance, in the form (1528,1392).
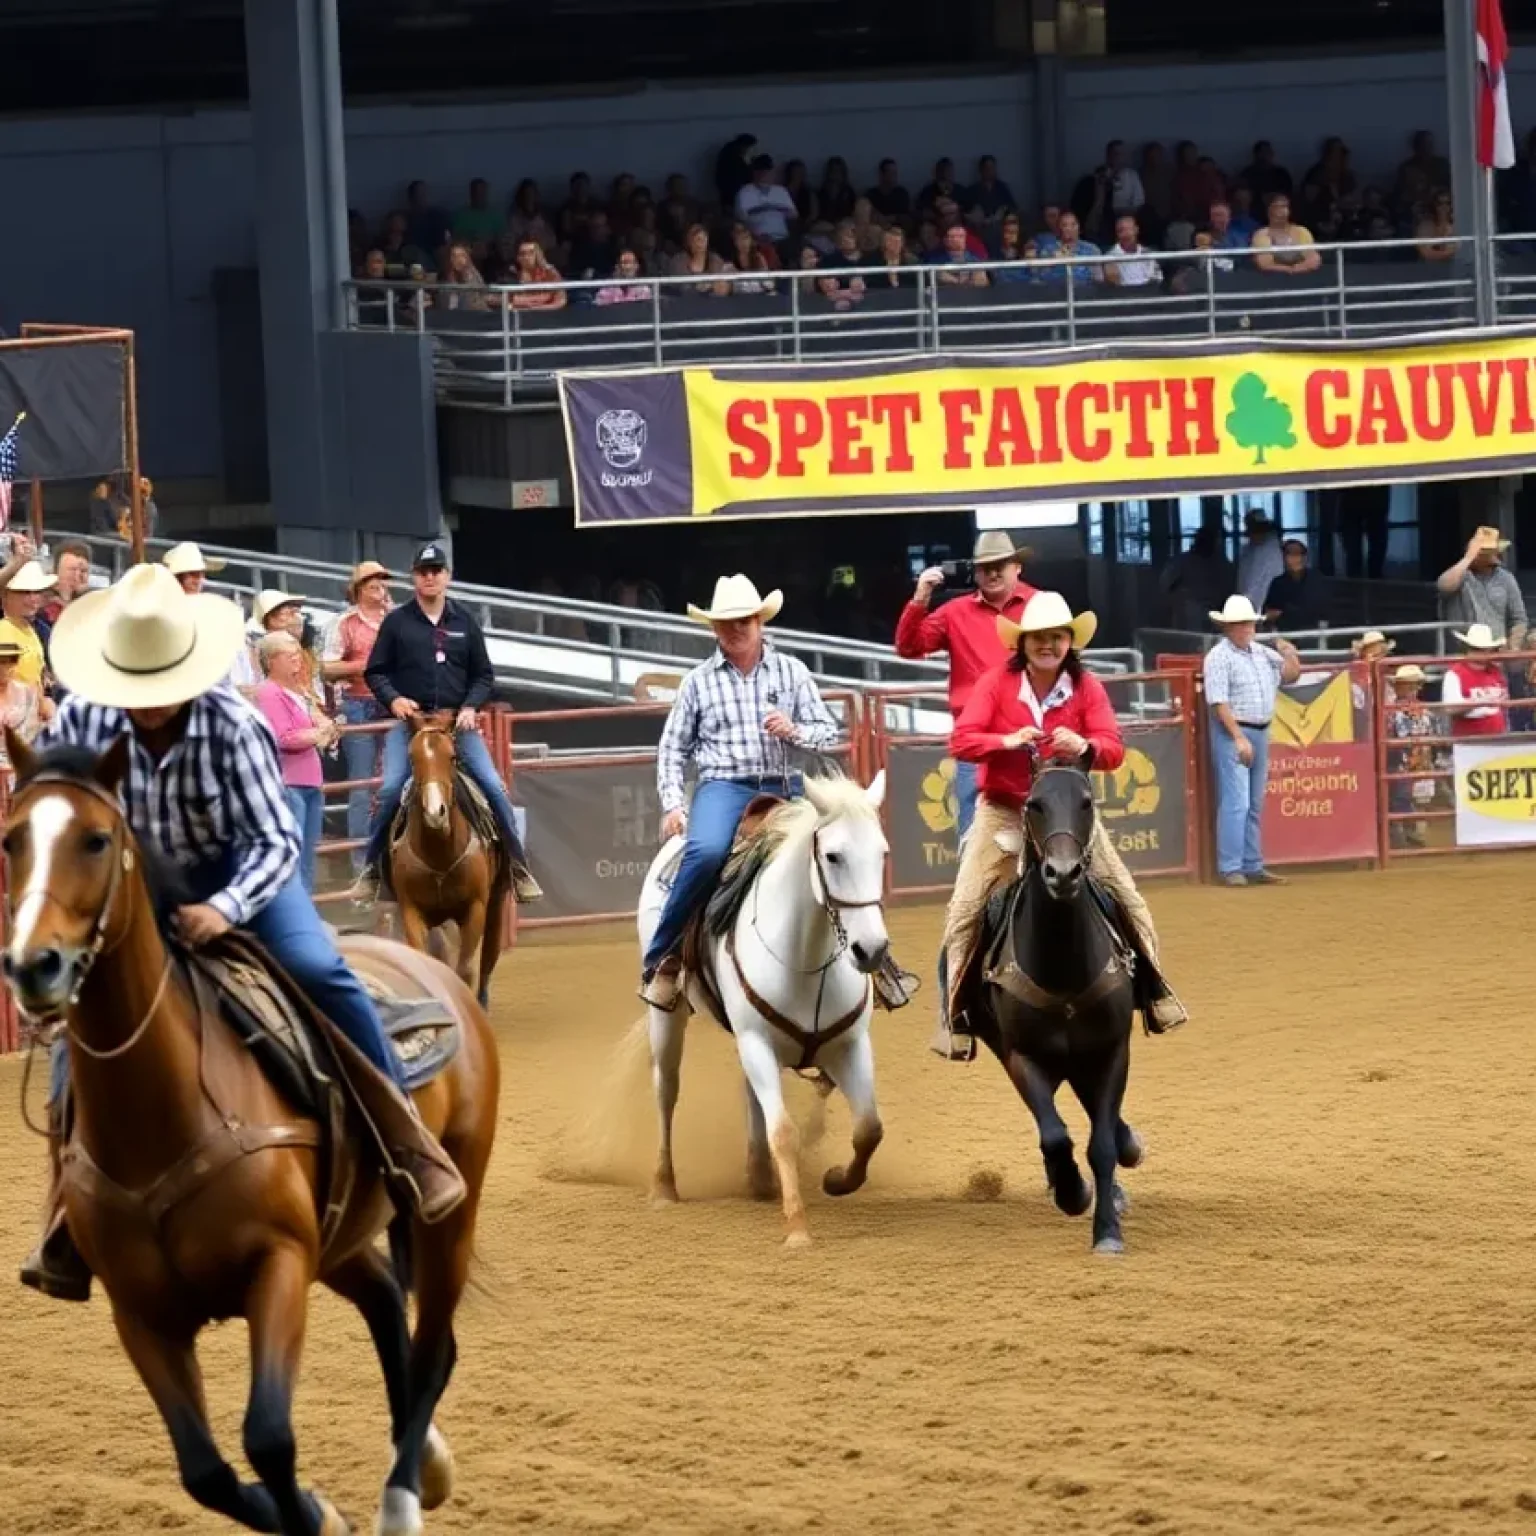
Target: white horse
(793,973)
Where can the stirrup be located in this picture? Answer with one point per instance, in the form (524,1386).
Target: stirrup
(1164,1012)
(364,890)
(661,987)
(525,888)
(953,1044)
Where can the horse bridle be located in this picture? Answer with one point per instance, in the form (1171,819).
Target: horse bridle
(1038,767)
(834,906)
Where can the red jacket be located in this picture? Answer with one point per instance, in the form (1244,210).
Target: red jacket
(966,627)
(995,710)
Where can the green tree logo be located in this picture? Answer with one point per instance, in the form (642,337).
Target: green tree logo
(1257,420)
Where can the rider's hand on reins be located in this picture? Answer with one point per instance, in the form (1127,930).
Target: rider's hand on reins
(1067,743)
(674,823)
(201,924)
(1025,736)
(466,719)
(779,724)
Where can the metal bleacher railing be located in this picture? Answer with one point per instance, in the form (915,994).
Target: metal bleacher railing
(492,352)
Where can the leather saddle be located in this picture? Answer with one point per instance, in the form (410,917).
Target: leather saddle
(472,804)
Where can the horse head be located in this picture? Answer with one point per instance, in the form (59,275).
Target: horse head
(1058,823)
(432,766)
(68,848)
(848,850)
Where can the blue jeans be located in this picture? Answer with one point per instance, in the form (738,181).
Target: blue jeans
(1239,801)
(308,806)
(290,928)
(474,758)
(965,797)
(712,821)
(360,754)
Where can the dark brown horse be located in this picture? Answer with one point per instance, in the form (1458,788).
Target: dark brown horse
(191,1185)
(441,868)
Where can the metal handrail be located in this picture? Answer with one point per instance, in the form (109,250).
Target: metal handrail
(1332,642)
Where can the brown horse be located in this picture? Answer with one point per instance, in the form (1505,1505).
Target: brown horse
(441,869)
(190,1213)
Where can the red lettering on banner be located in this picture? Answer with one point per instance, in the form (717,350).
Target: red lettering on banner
(744,421)
(847,414)
(1079,444)
(1327,432)
(898,412)
(799,428)
(1048,402)
(1519,371)
(1482,392)
(1137,397)
(961,407)
(1198,415)
(1008,438)
(1432,424)
(1381,417)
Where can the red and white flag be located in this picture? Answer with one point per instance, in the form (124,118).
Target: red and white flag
(1495,136)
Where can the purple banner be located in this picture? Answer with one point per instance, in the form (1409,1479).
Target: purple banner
(631,459)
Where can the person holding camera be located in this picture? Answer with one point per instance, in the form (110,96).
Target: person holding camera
(966,627)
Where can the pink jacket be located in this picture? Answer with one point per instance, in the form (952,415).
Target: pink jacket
(288,718)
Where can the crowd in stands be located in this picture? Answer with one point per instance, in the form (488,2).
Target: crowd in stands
(762,221)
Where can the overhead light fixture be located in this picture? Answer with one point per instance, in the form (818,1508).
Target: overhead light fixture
(1012,515)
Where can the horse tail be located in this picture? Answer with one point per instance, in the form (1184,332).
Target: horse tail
(402,1257)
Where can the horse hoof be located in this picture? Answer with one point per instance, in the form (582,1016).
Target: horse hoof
(436,1470)
(1108,1248)
(798,1238)
(1132,1151)
(399,1514)
(1072,1201)
(331,1523)
(835,1181)
(1122,1199)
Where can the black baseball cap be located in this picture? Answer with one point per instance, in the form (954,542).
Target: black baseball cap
(430,554)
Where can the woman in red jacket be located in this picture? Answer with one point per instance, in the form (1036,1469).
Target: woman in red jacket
(1041,696)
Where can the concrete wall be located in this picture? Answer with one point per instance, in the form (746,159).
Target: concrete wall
(122,219)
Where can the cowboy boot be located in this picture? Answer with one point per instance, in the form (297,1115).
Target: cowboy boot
(661,986)
(364,890)
(952,1038)
(524,887)
(1159,1003)
(56,1266)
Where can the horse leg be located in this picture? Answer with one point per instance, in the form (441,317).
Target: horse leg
(275,1314)
(1129,1146)
(1101,1095)
(169,1369)
(490,945)
(764,1074)
(471,930)
(413,926)
(761,1179)
(667,1034)
(852,1067)
(1038,1090)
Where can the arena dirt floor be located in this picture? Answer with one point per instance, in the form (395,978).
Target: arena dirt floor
(1322,1325)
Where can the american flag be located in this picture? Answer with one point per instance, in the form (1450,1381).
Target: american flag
(8,463)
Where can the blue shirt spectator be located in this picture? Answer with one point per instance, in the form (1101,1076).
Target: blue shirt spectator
(990,196)
(954,252)
(1068,243)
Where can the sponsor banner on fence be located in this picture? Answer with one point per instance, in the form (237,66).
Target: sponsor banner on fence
(1114,421)
(1495,793)
(1320,801)
(1142,804)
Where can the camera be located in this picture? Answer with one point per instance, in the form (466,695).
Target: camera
(961,572)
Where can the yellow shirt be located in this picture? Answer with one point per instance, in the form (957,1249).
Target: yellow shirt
(30,668)
(1281,244)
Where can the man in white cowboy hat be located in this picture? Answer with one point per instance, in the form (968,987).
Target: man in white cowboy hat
(144,659)
(966,627)
(737,716)
(430,655)
(1477,679)
(1242,681)
(190,567)
(1479,589)
(21,600)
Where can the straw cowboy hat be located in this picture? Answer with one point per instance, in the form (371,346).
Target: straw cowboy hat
(364,572)
(1236,610)
(143,643)
(1410,672)
(1373,637)
(184,559)
(1478,637)
(1048,610)
(1489,538)
(994,547)
(269,602)
(31,578)
(736,597)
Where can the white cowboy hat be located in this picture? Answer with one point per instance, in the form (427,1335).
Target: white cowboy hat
(1236,610)
(1410,672)
(184,559)
(1478,638)
(1048,610)
(31,578)
(143,643)
(270,601)
(736,597)
(1373,637)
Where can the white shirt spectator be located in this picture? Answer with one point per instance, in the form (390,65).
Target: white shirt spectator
(1245,678)
(766,210)
(1126,193)
(1135,268)
(1258,565)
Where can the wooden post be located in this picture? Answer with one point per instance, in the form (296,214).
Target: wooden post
(135,493)
(35,513)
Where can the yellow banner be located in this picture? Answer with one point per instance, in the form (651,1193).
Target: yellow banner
(924,433)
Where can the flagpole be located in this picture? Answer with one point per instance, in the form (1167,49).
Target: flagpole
(1469,181)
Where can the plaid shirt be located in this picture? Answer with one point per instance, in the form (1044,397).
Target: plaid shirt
(717,719)
(1247,681)
(218,791)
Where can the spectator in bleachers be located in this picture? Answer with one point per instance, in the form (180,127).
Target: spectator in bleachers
(72,578)
(1134,266)
(733,168)
(846,251)
(1012,246)
(430,227)
(460,272)
(621,194)
(941,187)
(534,267)
(797,182)
(1070,244)
(375,305)
(867,232)
(1477,678)
(949,218)
(401,253)
(577,209)
(1050,222)
(625,287)
(986,202)
(748,258)
(1157,187)
(765,207)
(595,251)
(1284,247)
(1421,175)
(900,269)
(834,200)
(1296,600)
(1197,184)
(1225,235)
(1409,719)
(954,259)
(1264,176)
(525,218)
(1243,221)
(697,260)
(1262,558)
(889,198)
(477,223)
(1329,180)
(679,208)
(1198,580)
(1478,589)
(928,241)
(1436,229)
(843,290)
